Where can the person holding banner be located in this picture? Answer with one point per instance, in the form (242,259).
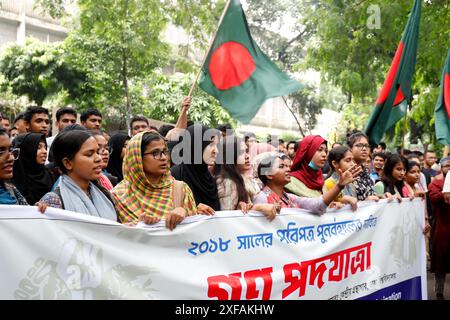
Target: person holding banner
(306,176)
(148,192)
(76,153)
(392,183)
(235,189)
(440,253)
(8,192)
(275,176)
(358,142)
(412,184)
(340,160)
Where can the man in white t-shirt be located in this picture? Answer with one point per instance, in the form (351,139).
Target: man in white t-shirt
(64,117)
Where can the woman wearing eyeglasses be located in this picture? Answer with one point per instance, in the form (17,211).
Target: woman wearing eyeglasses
(148,192)
(107,180)
(76,153)
(364,186)
(30,174)
(8,192)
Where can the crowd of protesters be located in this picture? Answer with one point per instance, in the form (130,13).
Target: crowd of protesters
(148,173)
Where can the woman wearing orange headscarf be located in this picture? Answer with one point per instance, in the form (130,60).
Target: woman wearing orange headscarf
(306,171)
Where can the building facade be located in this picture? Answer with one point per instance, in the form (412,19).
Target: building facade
(19,19)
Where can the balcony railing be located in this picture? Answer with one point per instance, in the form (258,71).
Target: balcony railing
(15,6)
(10,6)
(37,13)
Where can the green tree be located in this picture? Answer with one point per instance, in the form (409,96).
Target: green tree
(356,58)
(164,93)
(39,70)
(118,42)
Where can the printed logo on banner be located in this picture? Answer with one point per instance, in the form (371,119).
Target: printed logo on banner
(79,274)
(403,242)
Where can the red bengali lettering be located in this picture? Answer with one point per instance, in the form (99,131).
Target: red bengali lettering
(233,281)
(250,278)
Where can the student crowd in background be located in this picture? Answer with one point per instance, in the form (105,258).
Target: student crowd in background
(172,172)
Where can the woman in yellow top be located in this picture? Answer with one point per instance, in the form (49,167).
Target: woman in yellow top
(340,160)
(148,192)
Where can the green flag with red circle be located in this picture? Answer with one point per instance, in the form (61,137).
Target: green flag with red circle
(396,94)
(442,109)
(237,73)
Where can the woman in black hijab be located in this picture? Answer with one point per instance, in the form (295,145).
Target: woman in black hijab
(194,168)
(29,173)
(117,144)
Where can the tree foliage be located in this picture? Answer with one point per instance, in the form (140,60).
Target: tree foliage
(357,58)
(38,70)
(165,93)
(330,36)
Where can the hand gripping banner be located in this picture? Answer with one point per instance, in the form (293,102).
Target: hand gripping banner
(377,252)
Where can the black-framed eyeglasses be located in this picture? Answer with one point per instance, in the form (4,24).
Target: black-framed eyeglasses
(362,146)
(14,151)
(157,154)
(105,149)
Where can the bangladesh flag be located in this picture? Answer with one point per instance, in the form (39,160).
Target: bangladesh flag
(238,73)
(396,94)
(442,110)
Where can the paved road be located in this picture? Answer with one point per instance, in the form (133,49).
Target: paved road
(430,283)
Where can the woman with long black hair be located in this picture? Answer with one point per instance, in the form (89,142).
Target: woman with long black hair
(392,179)
(76,153)
(117,145)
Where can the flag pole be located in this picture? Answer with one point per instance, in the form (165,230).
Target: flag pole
(404,127)
(295,117)
(194,84)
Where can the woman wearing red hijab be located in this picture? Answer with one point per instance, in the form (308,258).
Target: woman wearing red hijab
(306,171)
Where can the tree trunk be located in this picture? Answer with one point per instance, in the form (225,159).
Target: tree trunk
(125,87)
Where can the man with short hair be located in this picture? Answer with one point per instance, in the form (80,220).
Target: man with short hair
(138,124)
(19,123)
(91,119)
(336,145)
(64,118)
(5,123)
(291,149)
(380,148)
(13,133)
(37,120)
(249,138)
(226,130)
(430,159)
(377,166)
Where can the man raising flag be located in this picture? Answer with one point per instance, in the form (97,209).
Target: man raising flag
(396,94)
(237,72)
(442,110)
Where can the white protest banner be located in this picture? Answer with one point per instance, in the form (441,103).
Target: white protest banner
(377,252)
